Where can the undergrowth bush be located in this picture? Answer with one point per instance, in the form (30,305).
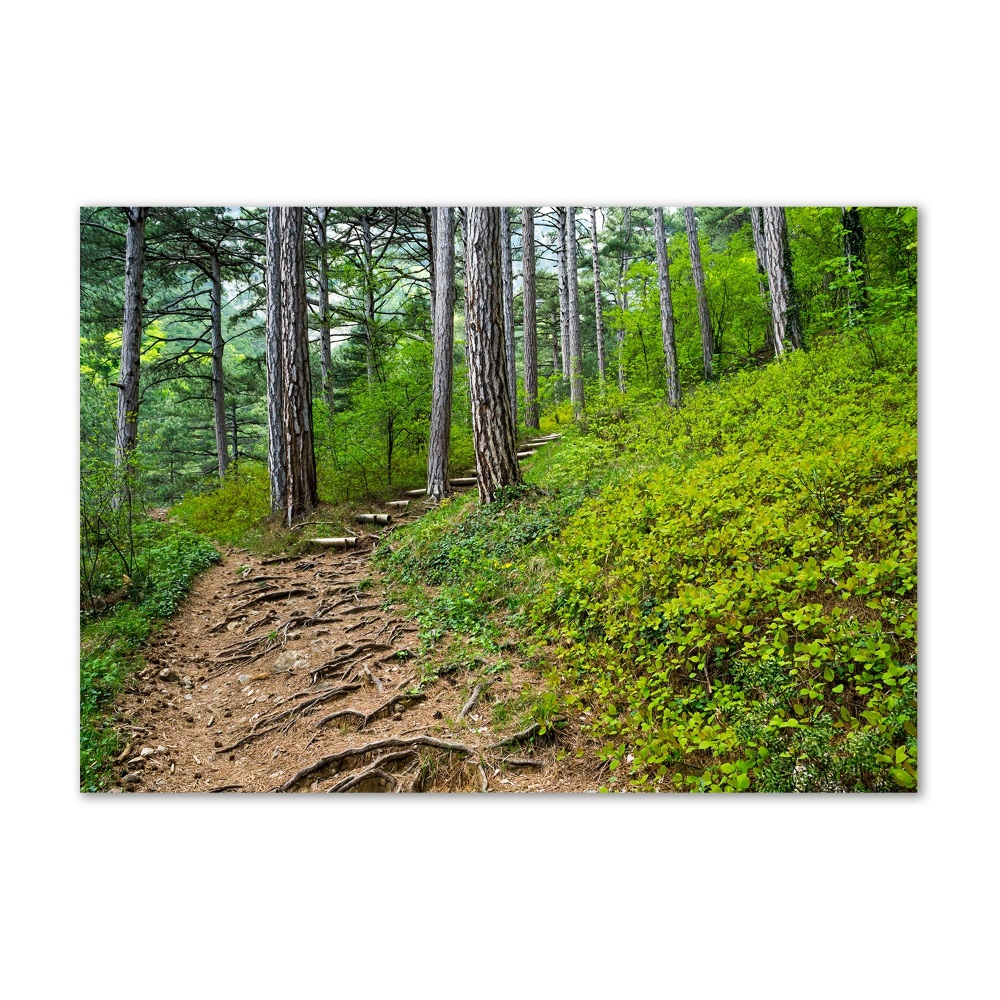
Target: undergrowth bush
(727,591)
(743,614)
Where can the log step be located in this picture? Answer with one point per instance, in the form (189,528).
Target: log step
(336,543)
(525,454)
(464,481)
(373,518)
(398,504)
(416,493)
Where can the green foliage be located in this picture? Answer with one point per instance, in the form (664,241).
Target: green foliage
(742,614)
(174,557)
(236,510)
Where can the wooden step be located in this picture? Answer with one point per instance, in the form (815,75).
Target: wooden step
(464,481)
(373,518)
(416,493)
(399,505)
(335,543)
(525,454)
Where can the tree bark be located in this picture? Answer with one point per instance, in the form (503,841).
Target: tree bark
(508,309)
(530,330)
(760,250)
(275,368)
(218,387)
(444,339)
(854,254)
(666,311)
(601,368)
(492,423)
(622,272)
(563,294)
(704,319)
(784,304)
(325,360)
(573,302)
(127,426)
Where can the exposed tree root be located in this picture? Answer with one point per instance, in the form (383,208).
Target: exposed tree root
(367,718)
(347,657)
(473,698)
(273,595)
(377,769)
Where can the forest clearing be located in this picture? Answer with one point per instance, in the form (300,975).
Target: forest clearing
(489,499)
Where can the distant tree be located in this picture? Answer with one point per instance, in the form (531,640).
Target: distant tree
(444,315)
(492,421)
(530,330)
(561,249)
(323,295)
(601,366)
(274,348)
(666,311)
(704,317)
(573,304)
(854,255)
(787,329)
(760,251)
(128,379)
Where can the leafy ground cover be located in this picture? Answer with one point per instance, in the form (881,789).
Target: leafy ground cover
(725,595)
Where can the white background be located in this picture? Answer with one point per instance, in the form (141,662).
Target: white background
(198,103)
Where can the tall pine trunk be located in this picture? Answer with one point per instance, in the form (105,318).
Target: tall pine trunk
(854,254)
(784,304)
(508,309)
(299,454)
(530,329)
(492,423)
(704,319)
(325,360)
(666,310)
(275,368)
(127,426)
(218,386)
(760,250)
(573,302)
(444,338)
(622,272)
(601,367)
(563,294)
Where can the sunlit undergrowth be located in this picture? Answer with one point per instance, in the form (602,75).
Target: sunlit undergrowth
(108,643)
(727,593)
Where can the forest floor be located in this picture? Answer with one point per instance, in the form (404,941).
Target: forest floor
(297,674)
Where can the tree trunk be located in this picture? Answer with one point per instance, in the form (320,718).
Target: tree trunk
(492,423)
(666,311)
(597,296)
(622,272)
(784,305)
(530,331)
(126,430)
(299,454)
(704,319)
(369,272)
(563,295)
(275,368)
(236,438)
(854,254)
(573,301)
(760,249)
(218,387)
(325,360)
(508,309)
(444,339)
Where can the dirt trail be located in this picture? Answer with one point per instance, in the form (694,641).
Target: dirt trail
(293,675)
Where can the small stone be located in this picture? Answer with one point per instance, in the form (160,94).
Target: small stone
(244,679)
(132,778)
(186,681)
(204,687)
(146,751)
(290,661)
(167,674)
(187,697)
(218,743)
(397,717)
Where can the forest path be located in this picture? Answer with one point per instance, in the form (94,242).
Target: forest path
(294,674)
